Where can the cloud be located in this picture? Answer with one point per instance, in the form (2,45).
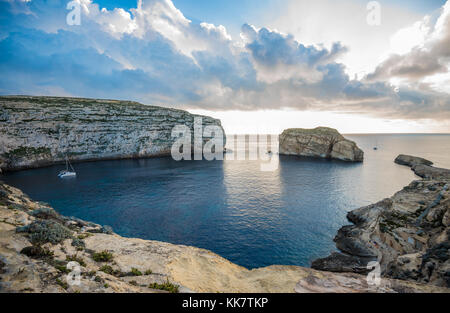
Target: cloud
(117,54)
(155,55)
(429,57)
(277,56)
(272,48)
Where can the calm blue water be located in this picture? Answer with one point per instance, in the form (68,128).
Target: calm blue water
(253,218)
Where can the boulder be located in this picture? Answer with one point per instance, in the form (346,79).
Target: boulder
(321,142)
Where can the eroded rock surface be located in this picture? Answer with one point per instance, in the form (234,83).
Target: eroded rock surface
(38,131)
(408,234)
(36,256)
(319,142)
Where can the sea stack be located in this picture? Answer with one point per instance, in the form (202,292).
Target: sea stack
(320,142)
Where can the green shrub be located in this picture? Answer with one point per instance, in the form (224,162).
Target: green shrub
(62,268)
(2,265)
(62,283)
(16,206)
(79,243)
(148,272)
(37,252)
(3,192)
(76,259)
(107,269)
(103,256)
(84,236)
(135,272)
(45,231)
(167,286)
(26,151)
(45,213)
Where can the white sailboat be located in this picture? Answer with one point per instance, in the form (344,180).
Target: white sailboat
(67,173)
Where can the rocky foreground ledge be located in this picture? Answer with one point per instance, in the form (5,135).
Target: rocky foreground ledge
(37,246)
(409,233)
(40,131)
(320,142)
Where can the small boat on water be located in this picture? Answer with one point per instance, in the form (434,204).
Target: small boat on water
(67,173)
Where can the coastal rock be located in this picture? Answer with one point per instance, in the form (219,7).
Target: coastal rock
(430,172)
(321,142)
(352,283)
(39,131)
(339,262)
(411,161)
(408,234)
(422,167)
(109,263)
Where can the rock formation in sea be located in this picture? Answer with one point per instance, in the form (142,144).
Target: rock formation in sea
(408,234)
(411,161)
(40,249)
(38,131)
(422,167)
(320,142)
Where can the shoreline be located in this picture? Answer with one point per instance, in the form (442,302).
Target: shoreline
(138,264)
(80,161)
(408,234)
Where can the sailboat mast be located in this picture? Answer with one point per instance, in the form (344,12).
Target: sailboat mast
(73,170)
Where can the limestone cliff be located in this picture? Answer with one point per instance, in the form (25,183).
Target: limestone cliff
(38,247)
(320,142)
(409,233)
(38,131)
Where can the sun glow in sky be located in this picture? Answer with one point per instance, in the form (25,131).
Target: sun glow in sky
(259,65)
(275,121)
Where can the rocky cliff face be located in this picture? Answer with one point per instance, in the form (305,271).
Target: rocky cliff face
(408,234)
(37,131)
(38,247)
(320,142)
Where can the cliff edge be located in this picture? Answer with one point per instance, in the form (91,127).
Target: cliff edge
(40,131)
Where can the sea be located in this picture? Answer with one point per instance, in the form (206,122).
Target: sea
(255,218)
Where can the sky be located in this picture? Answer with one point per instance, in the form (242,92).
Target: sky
(261,66)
